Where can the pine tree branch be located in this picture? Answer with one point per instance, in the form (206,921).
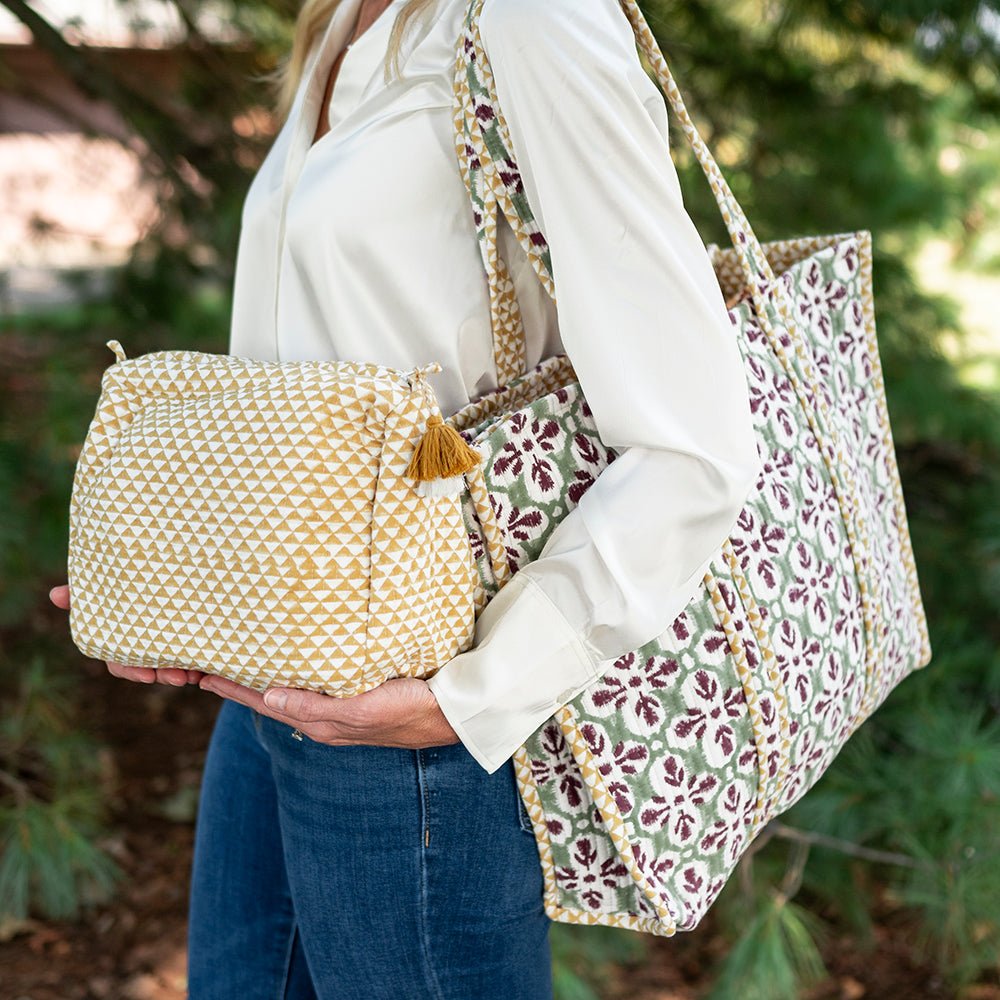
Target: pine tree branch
(792,881)
(18,787)
(93,79)
(812,838)
(201,47)
(78,62)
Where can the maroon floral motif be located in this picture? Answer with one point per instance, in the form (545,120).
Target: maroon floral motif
(818,299)
(529,454)
(830,705)
(517,525)
(846,261)
(715,838)
(693,877)
(796,655)
(767,572)
(625,758)
(819,510)
(676,807)
(543,475)
(526,436)
(812,578)
(510,176)
(709,717)
(851,341)
(630,685)
(556,766)
(582,481)
(587,450)
(556,827)
(657,864)
(592,875)
(483,111)
(477,544)
(472,158)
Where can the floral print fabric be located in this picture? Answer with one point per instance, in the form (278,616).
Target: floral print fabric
(646,789)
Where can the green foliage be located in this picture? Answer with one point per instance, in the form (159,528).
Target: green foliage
(51,808)
(834,117)
(775,956)
(168,302)
(826,121)
(825,117)
(581,956)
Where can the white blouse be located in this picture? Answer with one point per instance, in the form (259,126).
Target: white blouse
(362,247)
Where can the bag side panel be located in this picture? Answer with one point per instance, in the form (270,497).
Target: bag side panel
(831,292)
(537,463)
(423,576)
(586,881)
(677,737)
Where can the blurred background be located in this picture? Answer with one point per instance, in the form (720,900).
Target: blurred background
(129,131)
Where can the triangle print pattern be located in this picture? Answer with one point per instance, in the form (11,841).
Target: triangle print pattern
(253,520)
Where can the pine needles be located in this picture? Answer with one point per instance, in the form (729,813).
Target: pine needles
(51,863)
(776,955)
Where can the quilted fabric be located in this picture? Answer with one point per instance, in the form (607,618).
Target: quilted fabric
(646,789)
(252,519)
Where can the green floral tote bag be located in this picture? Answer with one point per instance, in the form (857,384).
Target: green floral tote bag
(646,789)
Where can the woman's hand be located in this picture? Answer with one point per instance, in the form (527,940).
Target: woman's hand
(175,676)
(402,712)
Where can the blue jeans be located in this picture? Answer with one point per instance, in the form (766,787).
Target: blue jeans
(360,873)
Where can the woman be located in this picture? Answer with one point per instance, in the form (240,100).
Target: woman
(376,846)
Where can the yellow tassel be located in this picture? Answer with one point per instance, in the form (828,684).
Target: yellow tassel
(441,453)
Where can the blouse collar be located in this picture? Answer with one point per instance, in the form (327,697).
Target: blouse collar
(355,77)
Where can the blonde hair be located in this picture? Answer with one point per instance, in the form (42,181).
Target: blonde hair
(312,20)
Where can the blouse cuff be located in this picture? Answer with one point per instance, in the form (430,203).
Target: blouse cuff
(526,663)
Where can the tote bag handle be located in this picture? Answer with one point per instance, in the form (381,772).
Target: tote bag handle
(488,168)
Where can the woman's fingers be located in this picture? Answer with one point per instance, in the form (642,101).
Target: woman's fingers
(174,676)
(226,688)
(59,596)
(143,675)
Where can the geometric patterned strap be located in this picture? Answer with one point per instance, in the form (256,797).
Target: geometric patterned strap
(496,548)
(753,260)
(489,169)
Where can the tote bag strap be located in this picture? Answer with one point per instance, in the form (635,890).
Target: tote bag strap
(489,170)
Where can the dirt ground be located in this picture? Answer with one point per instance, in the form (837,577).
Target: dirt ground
(134,947)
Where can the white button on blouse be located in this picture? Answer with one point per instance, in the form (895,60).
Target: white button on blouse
(362,247)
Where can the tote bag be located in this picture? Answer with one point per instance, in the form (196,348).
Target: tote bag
(646,789)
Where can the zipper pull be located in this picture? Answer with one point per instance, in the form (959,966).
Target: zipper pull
(420,373)
(118,349)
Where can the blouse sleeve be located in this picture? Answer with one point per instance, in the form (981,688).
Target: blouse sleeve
(642,317)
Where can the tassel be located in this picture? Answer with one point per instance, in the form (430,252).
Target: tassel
(441,453)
